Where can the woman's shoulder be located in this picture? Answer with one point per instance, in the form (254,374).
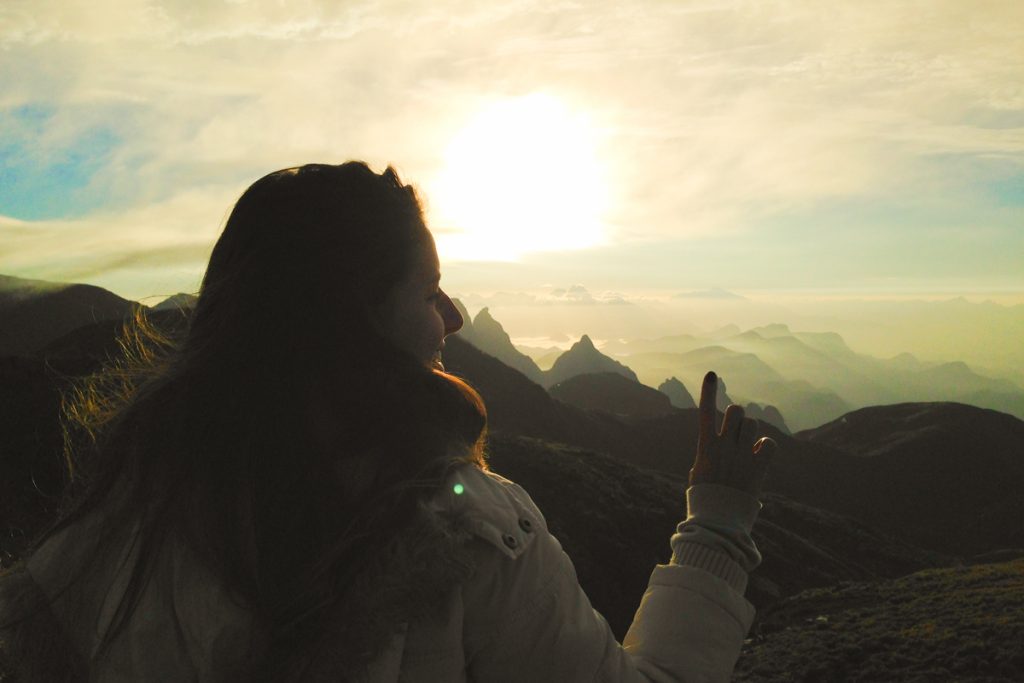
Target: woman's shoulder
(492,507)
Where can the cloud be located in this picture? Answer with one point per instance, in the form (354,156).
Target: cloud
(163,245)
(715,116)
(713,293)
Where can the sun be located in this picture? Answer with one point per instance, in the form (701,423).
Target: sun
(524,175)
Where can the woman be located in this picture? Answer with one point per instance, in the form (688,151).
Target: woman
(296,491)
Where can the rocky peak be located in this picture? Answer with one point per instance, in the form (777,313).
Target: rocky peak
(677,393)
(584,358)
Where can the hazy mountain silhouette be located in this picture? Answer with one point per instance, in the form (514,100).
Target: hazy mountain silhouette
(1011,402)
(33,312)
(724,332)
(954,378)
(811,377)
(750,380)
(769,414)
(677,393)
(837,371)
(487,334)
(582,358)
(612,393)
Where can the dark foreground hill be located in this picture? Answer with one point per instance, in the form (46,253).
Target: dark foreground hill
(33,313)
(615,520)
(612,393)
(957,624)
(962,464)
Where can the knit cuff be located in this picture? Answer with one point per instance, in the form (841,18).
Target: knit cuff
(711,561)
(720,520)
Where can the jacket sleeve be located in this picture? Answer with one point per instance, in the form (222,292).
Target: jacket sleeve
(527,619)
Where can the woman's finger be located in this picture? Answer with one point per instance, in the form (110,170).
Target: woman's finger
(708,411)
(732,422)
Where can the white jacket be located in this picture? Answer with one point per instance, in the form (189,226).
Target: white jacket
(521,616)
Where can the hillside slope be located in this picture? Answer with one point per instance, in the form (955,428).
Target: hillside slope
(957,624)
(936,467)
(33,313)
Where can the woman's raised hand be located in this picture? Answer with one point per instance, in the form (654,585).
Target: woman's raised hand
(734,456)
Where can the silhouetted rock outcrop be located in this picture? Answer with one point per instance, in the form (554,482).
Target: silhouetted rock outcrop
(769,414)
(582,358)
(489,336)
(677,393)
(612,393)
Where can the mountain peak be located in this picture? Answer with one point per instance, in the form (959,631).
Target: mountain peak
(487,334)
(677,393)
(773,330)
(584,358)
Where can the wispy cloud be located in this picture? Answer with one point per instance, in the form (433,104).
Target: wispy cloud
(715,115)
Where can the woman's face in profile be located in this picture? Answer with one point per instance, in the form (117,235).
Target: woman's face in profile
(417,314)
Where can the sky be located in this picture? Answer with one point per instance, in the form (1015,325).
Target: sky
(861,148)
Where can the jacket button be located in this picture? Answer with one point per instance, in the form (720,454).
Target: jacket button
(510,541)
(526,525)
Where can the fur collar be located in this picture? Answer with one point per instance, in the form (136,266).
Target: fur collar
(408,580)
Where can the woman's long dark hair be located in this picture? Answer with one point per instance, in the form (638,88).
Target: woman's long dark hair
(283,438)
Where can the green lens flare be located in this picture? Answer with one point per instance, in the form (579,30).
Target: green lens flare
(458,488)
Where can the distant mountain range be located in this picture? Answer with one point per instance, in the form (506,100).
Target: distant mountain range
(809,378)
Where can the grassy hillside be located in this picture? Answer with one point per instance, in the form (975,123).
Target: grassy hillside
(958,624)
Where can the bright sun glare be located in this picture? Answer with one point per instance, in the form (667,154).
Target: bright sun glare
(524,175)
